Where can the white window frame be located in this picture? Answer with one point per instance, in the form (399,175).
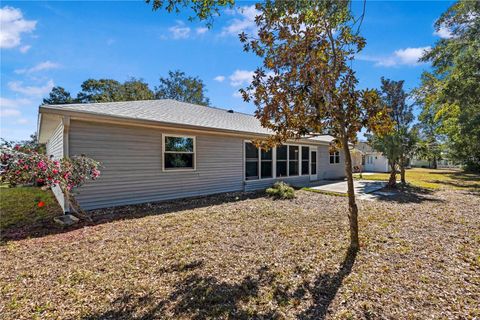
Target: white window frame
(334,157)
(164,135)
(274,162)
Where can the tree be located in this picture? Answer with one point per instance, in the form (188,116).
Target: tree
(390,146)
(31,145)
(58,95)
(136,89)
(181,87)
(202,9)
(102,90)
(398,145)
(450,93)
(307,84)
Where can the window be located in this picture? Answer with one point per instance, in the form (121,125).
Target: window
(293,160)
(266,163)
(335,157)
(251,161)
(305,156)
(314,163)
(363,159)
(179,152)
(282,161)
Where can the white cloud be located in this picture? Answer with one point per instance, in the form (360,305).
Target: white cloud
(12,25)
(25,48)
(9,113)
(408,56)
(22,121)
(443,32)
(201,30)
(246,22)
(240,77)
(14,103)
(18,86)
(42,66)
(237,94)
(219,78)
(180,31)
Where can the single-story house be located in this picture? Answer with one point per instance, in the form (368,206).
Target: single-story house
(158,150)
(372,160)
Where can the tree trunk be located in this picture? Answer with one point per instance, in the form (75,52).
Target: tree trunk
(434,163)
(352,206)
(402,170)
(392,182)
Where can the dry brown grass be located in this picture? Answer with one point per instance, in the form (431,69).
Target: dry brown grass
(255,258)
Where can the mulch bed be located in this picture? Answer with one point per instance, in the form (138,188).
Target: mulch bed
(247,256)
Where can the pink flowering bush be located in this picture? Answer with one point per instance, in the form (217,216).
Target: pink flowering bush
(20,167)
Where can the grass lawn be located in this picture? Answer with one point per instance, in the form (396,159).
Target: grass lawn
(433,178)
(19,211)
(240,256)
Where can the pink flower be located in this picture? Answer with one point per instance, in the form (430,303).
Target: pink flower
(55,171)
(17,147)
(56,163)
(42,165)
(26,167)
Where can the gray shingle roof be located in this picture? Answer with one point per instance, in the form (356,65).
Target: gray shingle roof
(176,113)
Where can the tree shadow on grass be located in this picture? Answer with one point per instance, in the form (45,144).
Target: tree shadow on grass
(194,297)
(100,216)
(201,297)
(325,288)
(406,194)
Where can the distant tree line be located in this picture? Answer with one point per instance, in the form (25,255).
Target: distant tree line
(177,85)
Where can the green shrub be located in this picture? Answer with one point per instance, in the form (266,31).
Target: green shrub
(281,190)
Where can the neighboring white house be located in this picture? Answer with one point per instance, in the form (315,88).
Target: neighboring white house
(372,160)
(157,150)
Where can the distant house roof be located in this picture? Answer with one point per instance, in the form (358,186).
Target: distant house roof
(172,112)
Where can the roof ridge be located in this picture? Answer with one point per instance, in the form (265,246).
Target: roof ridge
(147,100)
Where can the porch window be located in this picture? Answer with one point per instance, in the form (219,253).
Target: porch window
(305,156)
(282,161)
(293,160)
(334,157)
(179,152)
(251,161)
(266,159)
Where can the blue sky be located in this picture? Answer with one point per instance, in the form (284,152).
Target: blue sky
(64,43)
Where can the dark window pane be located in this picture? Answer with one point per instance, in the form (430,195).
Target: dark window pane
(305,151)
(304,167)
(251,170)
(293,168)
(251,152)
(293,152)
(182,144)
(281,168)
(337,157)
(314,168)
(266,169)
(282,153)
(266,155)
(313,164)
(178,160)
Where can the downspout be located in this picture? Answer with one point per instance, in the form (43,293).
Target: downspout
(66,151)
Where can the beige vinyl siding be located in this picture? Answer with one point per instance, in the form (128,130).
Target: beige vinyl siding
(54,148)
(327,170)
(296,181)
(132,173)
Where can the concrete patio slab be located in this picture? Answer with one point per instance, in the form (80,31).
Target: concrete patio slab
(362,187)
